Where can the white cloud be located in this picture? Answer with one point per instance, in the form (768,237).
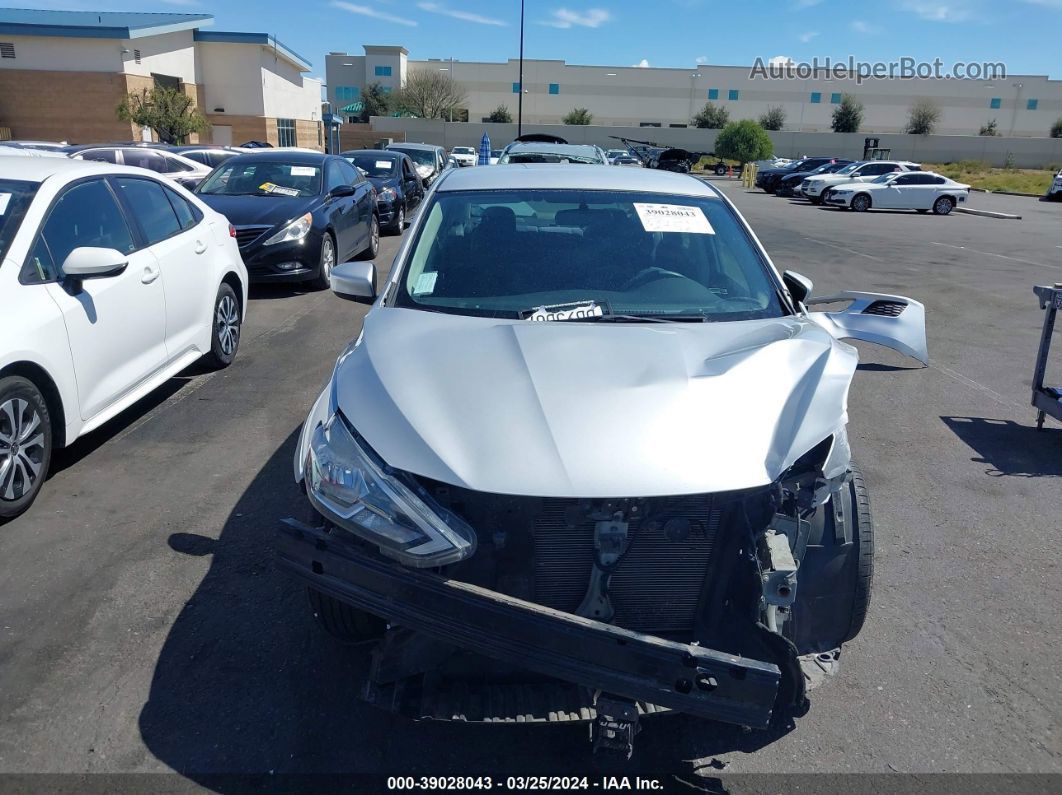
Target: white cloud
(937,11)
(366,11)
(466,16)
(780,60)
(566,18)
(642,64)
(806,37)
(701,59)
(859,26)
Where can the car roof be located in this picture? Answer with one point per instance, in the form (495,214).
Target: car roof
(555,149)
(391,153)
(404,145)
(282,156)
(559,176)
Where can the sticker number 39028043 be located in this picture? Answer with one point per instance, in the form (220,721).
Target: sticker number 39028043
(673,218)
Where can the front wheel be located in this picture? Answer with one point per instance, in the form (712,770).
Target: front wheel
(25,444)
(815,199)
(373,249)
(720,170)
(225,334)
(399,223)
(343,622)
(944,205)
(861,203)
(323,280)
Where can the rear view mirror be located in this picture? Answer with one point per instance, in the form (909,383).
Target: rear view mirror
(798,286)
(355,281)
(90,262)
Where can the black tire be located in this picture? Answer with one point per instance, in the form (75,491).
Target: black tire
(25,444)
(861,202)
(373,248)
(863,538)
(344,622)
(944,205)
(815,199)
(326,261)
(720,170)
(768,189)
(399,223)
(226,328)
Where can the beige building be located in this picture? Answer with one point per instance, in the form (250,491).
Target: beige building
(1022,105)
(63,73)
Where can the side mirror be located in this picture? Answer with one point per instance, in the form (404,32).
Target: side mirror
(355,281)
(798,286)
(341,190)
(90,262)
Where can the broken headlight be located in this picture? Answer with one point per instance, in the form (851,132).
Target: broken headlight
(353,488)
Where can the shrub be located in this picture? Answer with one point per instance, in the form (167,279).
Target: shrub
(848,116)
(501,115)
(744,141)
(579,116)
(773,119)
(1056,129)
(989,129)
(922,117)
(711,117)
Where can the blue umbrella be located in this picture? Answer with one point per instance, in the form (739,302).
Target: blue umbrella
(484,150)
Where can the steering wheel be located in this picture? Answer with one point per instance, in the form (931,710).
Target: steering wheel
(651,274)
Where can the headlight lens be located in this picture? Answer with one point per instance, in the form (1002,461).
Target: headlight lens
(386,195)
(350,486)
(296,230)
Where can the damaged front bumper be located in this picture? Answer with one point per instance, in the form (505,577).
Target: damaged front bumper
(684,677)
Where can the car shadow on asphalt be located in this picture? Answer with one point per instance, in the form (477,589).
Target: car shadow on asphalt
(271,291)
(1009,448)
(246,684)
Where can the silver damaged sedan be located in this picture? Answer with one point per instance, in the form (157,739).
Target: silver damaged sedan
(588,460)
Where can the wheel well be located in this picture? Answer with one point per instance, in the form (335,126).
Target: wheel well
(43,382)
(948,197)
(233,281)
(863,193)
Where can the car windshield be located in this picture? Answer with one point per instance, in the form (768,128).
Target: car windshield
(495,152)
(886,177)
(15,197)
(375,165)
(463,150)
(637,255)
(849,168)
(422,157)
(541,156)
(239,177)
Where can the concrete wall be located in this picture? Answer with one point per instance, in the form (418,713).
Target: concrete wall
(170,54)
(1026,152)
(231,79)
(286,94)
(61,54)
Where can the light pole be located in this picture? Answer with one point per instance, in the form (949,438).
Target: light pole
(520,85)
(693,79)
(1014,113)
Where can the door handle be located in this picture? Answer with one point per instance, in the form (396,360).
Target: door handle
(200,247)
(150,274)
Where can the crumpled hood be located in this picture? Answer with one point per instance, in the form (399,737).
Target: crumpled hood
(593,409)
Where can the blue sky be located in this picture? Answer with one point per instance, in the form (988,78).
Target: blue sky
(1024,34)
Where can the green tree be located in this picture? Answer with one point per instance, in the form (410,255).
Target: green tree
(773,119)
(744,141)
(1056,128)
(171,113)
(922,118)
(989,129)
(430,94)
(579,116)
(501,115)
(375,102)
(848,116)
(711,117)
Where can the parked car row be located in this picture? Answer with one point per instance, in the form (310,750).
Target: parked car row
(865,184)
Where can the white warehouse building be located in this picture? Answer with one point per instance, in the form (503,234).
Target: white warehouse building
(1021,105)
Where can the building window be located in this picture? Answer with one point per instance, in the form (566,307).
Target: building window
(554,88)
(383,71)
(285,132)
(516,88)
(816,97)
(995,103)
(347,93)
(678,125)
(7,49)
(648,124)
(713,93)
(835,99)
(1031,104)
(732,94)
(136,56)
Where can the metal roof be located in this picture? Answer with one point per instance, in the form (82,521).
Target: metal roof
(265,39)
(573,177)
(96,24)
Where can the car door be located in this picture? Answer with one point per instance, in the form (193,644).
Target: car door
(175,232)
(872,171)
(364,200)
(897,193)
(412,188)
(341,211)
(116,325)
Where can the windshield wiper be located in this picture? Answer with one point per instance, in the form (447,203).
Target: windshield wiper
(610,318)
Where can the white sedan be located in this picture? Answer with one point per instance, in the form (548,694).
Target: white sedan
(464,155)
(170,165)
(816,188)
(111,282)
(910,190)
(1054,190)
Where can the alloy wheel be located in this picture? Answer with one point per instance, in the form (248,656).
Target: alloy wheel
(328,259)
(374,243)
(860,203)
(227,321)
(943,206)
(21,448)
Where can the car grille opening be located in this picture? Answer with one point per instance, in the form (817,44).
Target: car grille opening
(245,235)
(657,585)
(885,308)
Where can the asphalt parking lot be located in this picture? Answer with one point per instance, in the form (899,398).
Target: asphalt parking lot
(144,628)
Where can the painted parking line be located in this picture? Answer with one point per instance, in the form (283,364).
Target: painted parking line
(1000,256)
(843,248)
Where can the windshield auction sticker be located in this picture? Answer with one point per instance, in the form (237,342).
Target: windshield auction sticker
(673,218)
(567,312)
